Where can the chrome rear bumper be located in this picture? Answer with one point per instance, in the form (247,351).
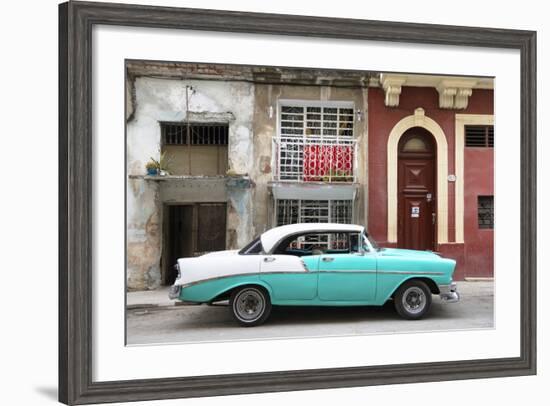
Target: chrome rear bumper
(449,293)
(174,292)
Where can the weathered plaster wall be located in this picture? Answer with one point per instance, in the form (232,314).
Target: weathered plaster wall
(266,96)
(158,100)
(194,190)
(144,234)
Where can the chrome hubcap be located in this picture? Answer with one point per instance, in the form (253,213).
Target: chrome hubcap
(249,305)
(414,300)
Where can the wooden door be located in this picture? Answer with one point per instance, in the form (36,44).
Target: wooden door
(180,238)
(416,190)
(192,229)
(211,227)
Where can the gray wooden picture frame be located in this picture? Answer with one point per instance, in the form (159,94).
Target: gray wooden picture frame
(76,20)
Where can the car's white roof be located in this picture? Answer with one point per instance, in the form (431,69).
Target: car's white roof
(274,235)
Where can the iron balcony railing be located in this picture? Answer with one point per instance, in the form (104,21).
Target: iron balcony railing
(315,158)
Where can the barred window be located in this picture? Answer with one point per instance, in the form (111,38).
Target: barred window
(199,134)
(480,136)
(485,212)
(196,149)
(317,120)
(316,142)
(291,211)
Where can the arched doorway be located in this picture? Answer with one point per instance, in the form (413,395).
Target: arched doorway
(416,179)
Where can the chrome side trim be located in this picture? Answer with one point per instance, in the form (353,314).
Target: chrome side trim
(346,271)
(186,285)
(410,273)
(349,271)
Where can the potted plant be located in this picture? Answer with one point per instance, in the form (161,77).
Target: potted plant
(163,164)
(151,167)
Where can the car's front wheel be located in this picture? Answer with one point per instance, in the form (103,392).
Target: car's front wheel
(250,305)
(413,299)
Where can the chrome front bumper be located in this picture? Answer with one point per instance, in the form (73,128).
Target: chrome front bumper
(449,293)
(174,292)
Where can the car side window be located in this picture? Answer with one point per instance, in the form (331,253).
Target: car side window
(320,243)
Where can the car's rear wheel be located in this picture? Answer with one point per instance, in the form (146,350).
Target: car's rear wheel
(413,300)
(250,305)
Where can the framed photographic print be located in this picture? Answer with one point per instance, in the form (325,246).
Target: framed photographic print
(259,202)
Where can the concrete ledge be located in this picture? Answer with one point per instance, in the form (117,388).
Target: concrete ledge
(160,178)
(478,279)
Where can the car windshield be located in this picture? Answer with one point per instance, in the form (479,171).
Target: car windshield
(254,247)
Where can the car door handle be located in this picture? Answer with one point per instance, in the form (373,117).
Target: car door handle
(328,259)
(269,259)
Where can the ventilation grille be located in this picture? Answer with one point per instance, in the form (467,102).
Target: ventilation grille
(480,136)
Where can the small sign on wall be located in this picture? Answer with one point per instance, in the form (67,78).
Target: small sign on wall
(415,211)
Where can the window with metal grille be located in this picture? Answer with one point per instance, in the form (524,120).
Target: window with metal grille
(196,134)
(196,148)
(479,136)
(315,142)
(322,121)
(485,212)
(291,211)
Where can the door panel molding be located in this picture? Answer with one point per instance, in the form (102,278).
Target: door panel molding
(416,179)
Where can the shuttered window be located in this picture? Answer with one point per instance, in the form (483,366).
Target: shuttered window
(481,136)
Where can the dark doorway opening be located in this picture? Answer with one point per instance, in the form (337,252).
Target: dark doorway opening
(416,188)
(192,230)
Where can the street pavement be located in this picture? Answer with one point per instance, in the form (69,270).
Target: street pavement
(154,319)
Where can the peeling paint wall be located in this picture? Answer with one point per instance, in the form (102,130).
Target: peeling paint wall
(246,107)
(156,100)
(144,234)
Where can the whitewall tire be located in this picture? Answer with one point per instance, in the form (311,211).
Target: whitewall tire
(250,305)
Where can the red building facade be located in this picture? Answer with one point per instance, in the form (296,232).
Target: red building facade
(430,163)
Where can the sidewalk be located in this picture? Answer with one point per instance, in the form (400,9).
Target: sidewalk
(149,298)
(159,297)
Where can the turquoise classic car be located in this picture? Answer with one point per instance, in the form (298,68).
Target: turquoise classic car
(315,264)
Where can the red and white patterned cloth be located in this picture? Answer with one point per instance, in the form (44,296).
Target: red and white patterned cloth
(327,160)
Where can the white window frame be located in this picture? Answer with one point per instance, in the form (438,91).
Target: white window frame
(336,139)
(316,103)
